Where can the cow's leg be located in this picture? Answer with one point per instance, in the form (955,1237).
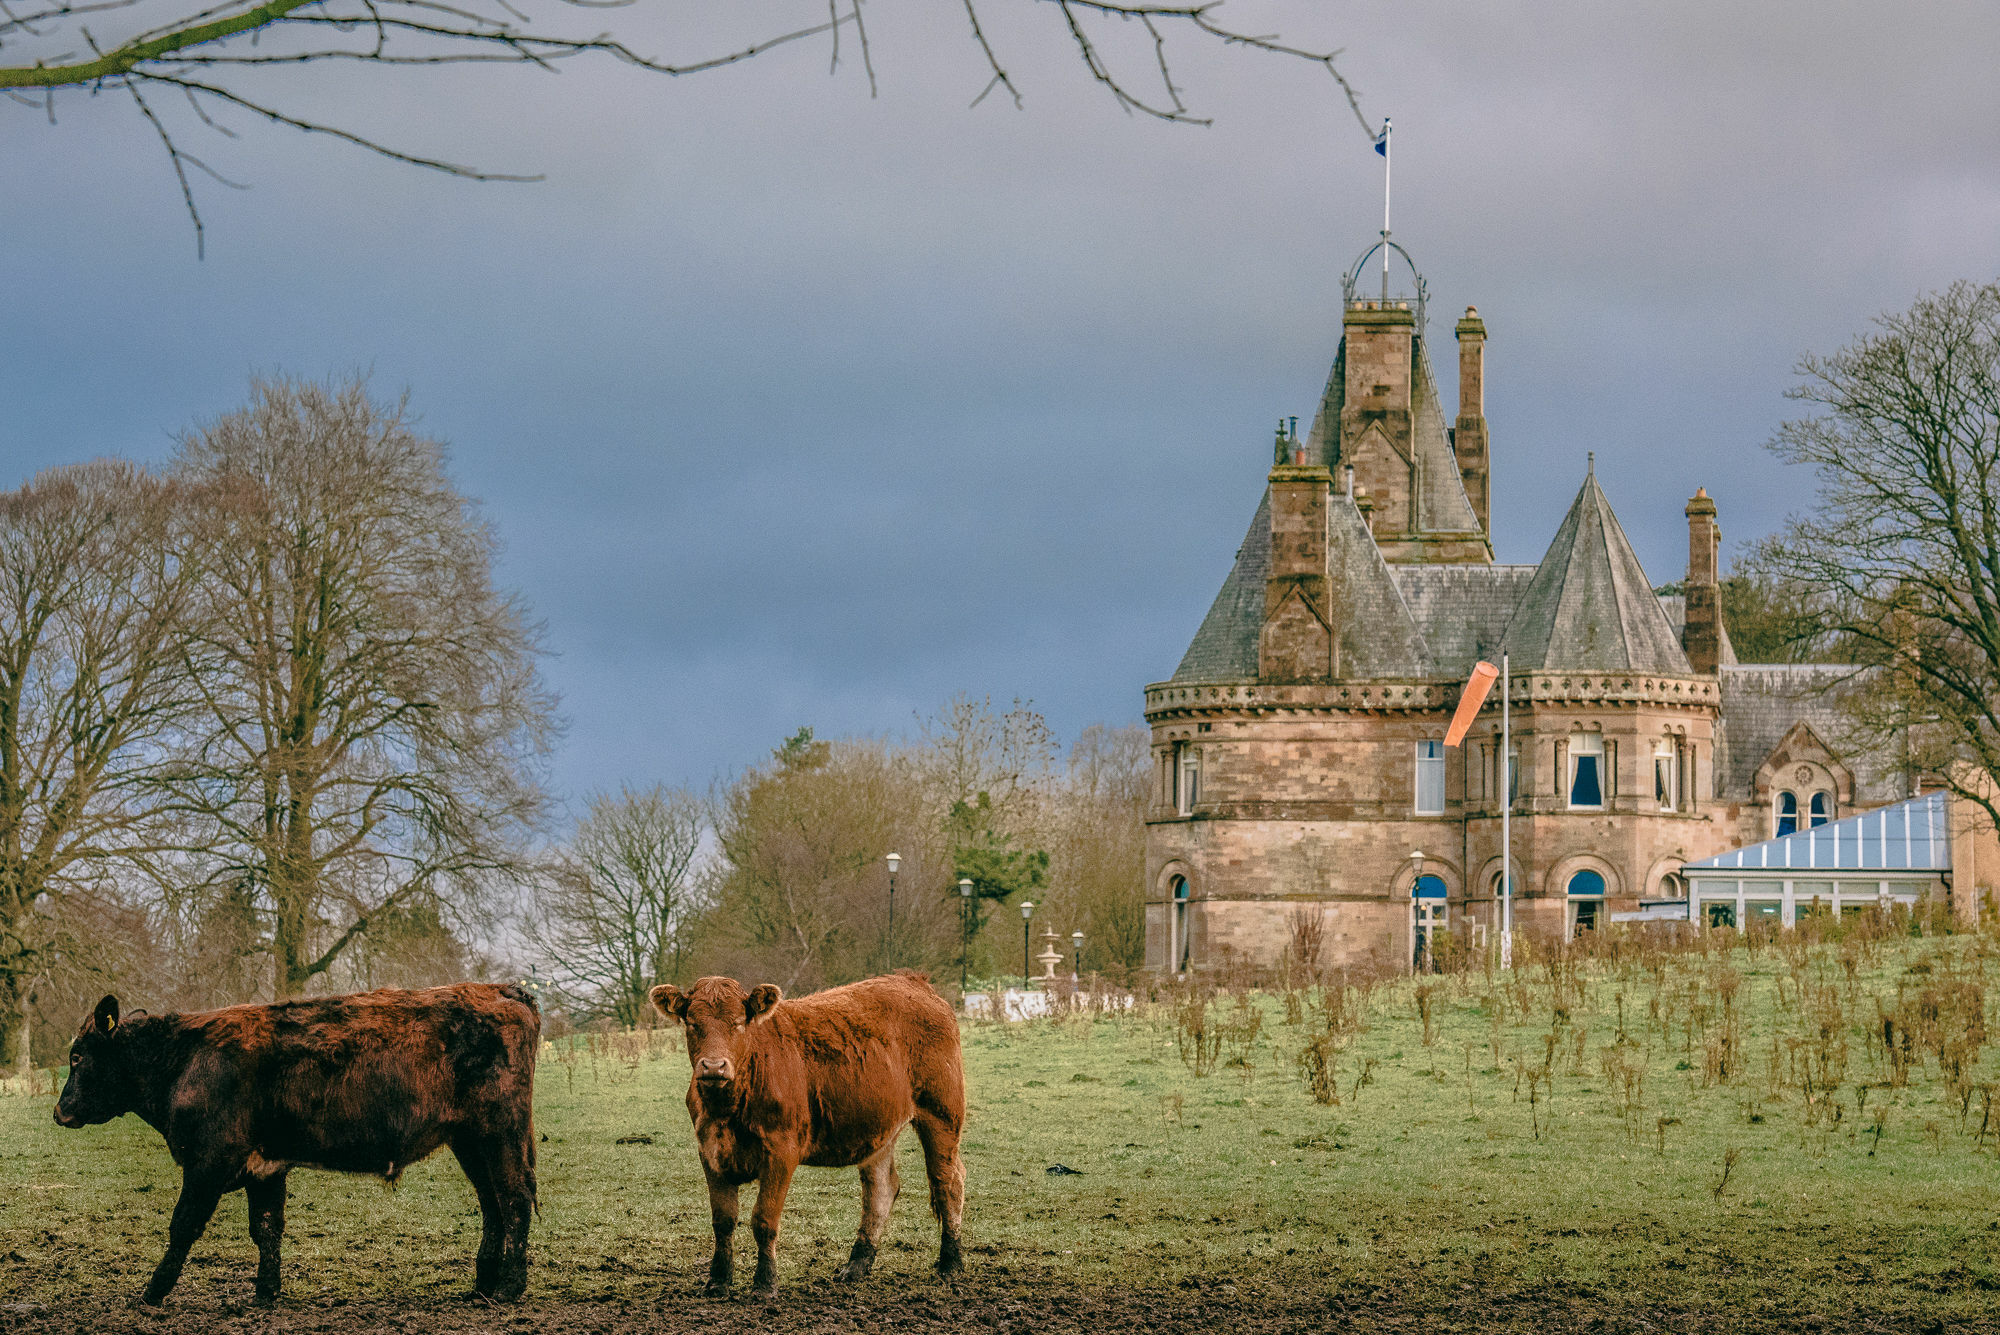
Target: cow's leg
(880,1185)
(947,1174)
(192,1212)
(722,1209)
(510,1161)
(771,1189)
(486,1269)
(267,1230)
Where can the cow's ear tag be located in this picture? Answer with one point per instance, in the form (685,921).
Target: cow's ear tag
(762,998)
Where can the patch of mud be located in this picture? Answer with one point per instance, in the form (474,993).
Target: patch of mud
(999,1305)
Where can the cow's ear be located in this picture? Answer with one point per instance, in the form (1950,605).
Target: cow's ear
(762,997)
(105,1017)
(670,1001)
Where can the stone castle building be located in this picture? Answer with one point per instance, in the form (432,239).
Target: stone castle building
(1299,745)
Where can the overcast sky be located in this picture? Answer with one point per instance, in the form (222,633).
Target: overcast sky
(797,406)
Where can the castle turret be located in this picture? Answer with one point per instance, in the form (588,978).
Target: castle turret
(1701,632)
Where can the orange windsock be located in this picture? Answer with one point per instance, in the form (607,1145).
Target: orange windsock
(1469,701)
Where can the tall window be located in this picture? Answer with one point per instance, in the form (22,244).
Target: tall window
(1586,770)
(1586,900)
(1788,813)
(1180,943)
(1667,775)
(1821,810)
(1430,778)
(1187,778)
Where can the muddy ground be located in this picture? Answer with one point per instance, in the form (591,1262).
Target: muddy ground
(1000,1304)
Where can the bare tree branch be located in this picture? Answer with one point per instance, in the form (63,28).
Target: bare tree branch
(417,33)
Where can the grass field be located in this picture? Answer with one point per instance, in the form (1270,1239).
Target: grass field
(1657,1141)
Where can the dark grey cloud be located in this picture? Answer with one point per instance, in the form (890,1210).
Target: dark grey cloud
(795,406)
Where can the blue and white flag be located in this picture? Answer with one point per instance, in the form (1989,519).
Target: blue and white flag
(1382,139)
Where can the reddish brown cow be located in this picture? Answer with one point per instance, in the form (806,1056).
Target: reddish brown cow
(369,1083)
(830,1081)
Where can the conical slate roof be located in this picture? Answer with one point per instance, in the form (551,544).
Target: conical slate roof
(1225,648)
(1589,606)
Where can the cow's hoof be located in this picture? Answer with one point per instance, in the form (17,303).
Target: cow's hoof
(715,1288)
(265,1298)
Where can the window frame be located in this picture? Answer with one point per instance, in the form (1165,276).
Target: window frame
(1586,746)
(1779,816)
(1434,764)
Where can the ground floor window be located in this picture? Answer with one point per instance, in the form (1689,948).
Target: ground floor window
(1429,918)
(1586,901)
(1178,948)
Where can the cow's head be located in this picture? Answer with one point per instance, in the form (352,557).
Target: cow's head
(713,1012)
(101,1084)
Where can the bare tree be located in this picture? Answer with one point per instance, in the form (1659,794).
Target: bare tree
(192,56)
(94,592)
(615,916)
(374,717)
(1899,561)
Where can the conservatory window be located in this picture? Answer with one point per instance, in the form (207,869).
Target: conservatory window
(1586,770)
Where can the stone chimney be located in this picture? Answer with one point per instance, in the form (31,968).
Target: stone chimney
(1296,642)
(1376,422)
(1469,435)
(1701,632)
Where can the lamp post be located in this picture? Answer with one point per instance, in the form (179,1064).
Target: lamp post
(1076,961)
(964,927)
(889,938)
(1027,916)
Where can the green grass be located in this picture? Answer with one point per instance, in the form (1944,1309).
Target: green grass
(1436,1171)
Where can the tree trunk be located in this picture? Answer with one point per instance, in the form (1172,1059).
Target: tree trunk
(15,1054)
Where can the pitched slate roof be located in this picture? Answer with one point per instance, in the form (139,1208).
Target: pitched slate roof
(1589,606)
(1462,609)
(1761,702)
(1912,835)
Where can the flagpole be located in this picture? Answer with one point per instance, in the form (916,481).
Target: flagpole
(1506,815)
(1386,164)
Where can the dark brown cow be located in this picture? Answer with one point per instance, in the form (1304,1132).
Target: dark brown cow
(830,1081)
(369,1083)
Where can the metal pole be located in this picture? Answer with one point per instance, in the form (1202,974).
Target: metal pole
(1026,923)
(1387,148)
(1506,815)
(889,942)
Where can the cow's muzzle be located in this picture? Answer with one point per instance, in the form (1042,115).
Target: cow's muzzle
(713,1071)
(67,1118)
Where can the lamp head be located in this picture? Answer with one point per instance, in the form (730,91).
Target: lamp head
(1077,937)
(1027,909)
(965,886)
(894,860)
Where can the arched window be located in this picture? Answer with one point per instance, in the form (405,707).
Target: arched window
(1428,916)
(1673,886)
(1788,813)
(1586,900)
(1180,943)
(1821,810)
(1586,770)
